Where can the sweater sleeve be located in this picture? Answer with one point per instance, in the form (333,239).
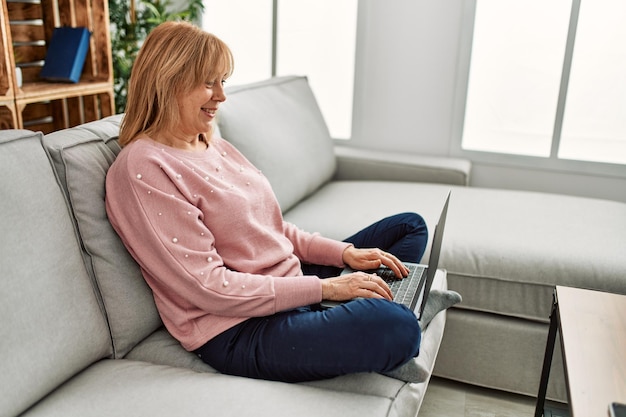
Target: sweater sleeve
(165,233)
(313,248)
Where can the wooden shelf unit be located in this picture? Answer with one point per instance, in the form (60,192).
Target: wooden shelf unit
(8,114)
(26,27)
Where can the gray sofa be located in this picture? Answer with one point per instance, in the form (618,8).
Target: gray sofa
(503,250)
(80,335)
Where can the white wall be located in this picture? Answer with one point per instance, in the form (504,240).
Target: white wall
(405,74)
(406,82)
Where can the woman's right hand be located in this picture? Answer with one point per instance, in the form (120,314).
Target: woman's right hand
(353,285)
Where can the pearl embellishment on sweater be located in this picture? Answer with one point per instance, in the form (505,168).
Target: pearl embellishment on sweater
(221,178)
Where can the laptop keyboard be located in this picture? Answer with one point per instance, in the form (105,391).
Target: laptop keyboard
(404,290)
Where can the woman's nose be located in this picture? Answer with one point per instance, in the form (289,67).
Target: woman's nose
(218,93)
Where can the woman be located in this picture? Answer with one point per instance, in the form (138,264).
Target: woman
(231,279)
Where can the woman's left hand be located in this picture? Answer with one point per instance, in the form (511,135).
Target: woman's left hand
(373,258)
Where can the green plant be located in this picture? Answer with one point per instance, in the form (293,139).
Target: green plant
(130,24)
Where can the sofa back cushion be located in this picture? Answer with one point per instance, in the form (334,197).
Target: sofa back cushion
(81,157)
(278,126)
(52,323)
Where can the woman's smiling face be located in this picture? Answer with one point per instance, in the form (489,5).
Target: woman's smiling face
(199,106)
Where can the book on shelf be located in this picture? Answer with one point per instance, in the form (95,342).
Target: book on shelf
(66,54)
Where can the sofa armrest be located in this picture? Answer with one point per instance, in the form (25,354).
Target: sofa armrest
(364,164)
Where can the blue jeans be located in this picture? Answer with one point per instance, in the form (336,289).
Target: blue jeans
(404,235)
(309,343)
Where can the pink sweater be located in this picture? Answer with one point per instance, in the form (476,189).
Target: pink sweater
(210,238)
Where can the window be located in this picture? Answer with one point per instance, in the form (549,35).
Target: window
(546,80)
(246,27)
(316,38)
(594,123)
(517,57)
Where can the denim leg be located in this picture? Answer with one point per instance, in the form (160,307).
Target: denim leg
(405,235)
(364,335)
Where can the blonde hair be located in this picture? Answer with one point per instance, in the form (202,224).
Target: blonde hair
(175,58)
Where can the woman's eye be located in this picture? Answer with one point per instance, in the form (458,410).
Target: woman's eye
(211,84)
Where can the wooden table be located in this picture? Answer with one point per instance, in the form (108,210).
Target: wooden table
(592,325)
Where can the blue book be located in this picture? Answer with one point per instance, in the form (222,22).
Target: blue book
(66,54)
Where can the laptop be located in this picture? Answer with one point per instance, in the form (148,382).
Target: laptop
(413,290)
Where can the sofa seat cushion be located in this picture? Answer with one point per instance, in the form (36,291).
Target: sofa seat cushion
(491,237)
(121,387)
(161,348)
(526,243)
(342,208)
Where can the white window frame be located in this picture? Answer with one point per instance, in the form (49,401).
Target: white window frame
(325,81)
(550,163)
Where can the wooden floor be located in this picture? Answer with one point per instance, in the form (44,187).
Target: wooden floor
(452,399)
